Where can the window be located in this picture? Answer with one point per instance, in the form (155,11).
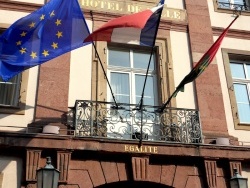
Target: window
(125,66)
(237,71)
(13,93)
(127,70)
(241,81)
(160,77)
(234,4)
(10,91)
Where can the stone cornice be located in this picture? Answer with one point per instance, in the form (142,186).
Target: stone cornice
(107,7)
(233,33)
(41,141)
(172,19)
(128,7)
(164,25)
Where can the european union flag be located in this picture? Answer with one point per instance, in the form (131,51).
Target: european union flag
(54,29)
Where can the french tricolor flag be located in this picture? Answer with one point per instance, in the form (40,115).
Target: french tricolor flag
(139,28)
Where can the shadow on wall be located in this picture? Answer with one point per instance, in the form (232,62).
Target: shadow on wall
(14,138)
(6,111)
(62,124)
(10,171)
(64,121)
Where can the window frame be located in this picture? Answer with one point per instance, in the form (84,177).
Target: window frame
(16,81)
(132,72)
(232,3)
(242,81)
(165,77)
(20,108)
(230,11)
(240,56)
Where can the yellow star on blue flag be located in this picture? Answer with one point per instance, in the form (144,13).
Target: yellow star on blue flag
(54,29)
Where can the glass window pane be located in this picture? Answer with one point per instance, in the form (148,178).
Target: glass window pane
(119,58)
(237,70)
(241,93)
(244,111)
(9,91)
(242,102)
(248,71)
(141,60)
(224,3)
(120,87)
(239,2)
(149,89)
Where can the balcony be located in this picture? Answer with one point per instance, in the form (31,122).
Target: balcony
(232,6)
(127,122)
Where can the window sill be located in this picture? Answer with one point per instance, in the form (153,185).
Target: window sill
(231,11)
(19,110)
(243,126)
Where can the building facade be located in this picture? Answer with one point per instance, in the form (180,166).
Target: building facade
(81,108)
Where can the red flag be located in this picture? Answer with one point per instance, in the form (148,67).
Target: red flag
(206,59)
(203,63)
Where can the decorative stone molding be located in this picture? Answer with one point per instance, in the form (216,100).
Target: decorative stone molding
(140,168)
(211,172)
(63,159)
(130,6)
(32,163)
(235,165)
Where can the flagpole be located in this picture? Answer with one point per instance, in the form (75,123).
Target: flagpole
(113,96)
(148,23)
(145,81)
(151,54)
(206,59)
(169,99)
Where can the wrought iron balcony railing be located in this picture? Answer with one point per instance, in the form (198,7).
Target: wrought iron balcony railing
(232,6)
(103,120)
